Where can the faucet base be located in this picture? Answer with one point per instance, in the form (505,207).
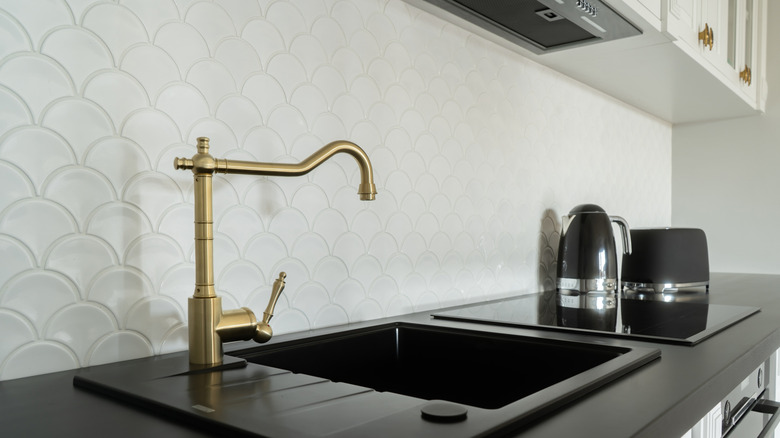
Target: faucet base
(205,343)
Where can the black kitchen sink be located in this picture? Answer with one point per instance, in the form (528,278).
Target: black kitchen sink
(480,369)
(396,379)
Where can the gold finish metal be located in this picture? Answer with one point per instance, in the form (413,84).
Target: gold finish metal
(706,36)
(746,75)
(209,325)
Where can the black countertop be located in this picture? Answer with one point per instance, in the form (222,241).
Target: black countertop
(663,398)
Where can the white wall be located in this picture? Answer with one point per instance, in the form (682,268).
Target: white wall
(477,153)
(726,179)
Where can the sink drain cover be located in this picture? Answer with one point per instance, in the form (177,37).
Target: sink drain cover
(444,412)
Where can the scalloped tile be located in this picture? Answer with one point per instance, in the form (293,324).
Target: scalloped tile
(79,326)
(116,25)
(118,346)
(118,289)
(290,321)
(38,79)
(15,38)
(182,43)
(310,248)
(79,51)
(329,33)
(239,57)
(311,102)
(152,66)
(16,258)
(383,289)
(118,224)
(310,199)
(240,114)
(330,224)
(266,198)
(152,130)
(288,19)
(367,310)
(382,246)
(70,119)
(326,126)
(81,258)
(213,80)
(15,111)
(265,250)
(288,224)
(173,223)
(177,339)
(348,247)
(240,223)
(37,21)
(330,315)
(17,331)
(38,223)
(240,278)
(348,294)
(152,193)
(242,12)
(264,144)
(265,37)
(80,190)
(39,357)
(118,159)
(153,15)
(288,70)
(225,252)
(366,224)
(212,22)
(154,317)
(365,269)
(16,185)
(154,254)
(38,295)
(330,82)
(348,15)
(309,298)
(117,92)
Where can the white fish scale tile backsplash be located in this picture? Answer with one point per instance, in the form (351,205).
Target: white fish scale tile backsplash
(477,153)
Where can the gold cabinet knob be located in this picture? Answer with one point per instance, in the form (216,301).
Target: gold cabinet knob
(746,75)
(706,36)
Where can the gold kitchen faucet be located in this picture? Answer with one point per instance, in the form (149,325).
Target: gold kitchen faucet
(209,325)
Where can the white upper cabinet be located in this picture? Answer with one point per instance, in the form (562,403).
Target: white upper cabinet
(725,37)
(696,60)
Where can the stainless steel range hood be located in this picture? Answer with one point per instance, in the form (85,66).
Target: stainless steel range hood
(543,26)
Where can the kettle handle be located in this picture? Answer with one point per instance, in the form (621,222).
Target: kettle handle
(626,232)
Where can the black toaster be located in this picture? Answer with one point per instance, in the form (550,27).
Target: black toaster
(666,259)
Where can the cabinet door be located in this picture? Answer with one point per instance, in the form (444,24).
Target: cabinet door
(716,17)
(746,61)
(683,21)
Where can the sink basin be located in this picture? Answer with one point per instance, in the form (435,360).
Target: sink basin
(389,380)
(481,369)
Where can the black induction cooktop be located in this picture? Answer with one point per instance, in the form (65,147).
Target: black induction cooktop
(683,317)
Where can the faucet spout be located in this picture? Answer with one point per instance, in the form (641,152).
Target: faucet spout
(209,325)
(366,189)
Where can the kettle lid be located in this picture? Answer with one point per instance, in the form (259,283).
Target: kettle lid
(587,208)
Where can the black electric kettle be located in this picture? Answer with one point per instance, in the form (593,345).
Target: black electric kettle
(587,259)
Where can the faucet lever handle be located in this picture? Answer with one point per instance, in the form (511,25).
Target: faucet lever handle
(276,292)
(263,331)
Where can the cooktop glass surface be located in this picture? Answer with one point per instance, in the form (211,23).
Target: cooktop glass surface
(683,317)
